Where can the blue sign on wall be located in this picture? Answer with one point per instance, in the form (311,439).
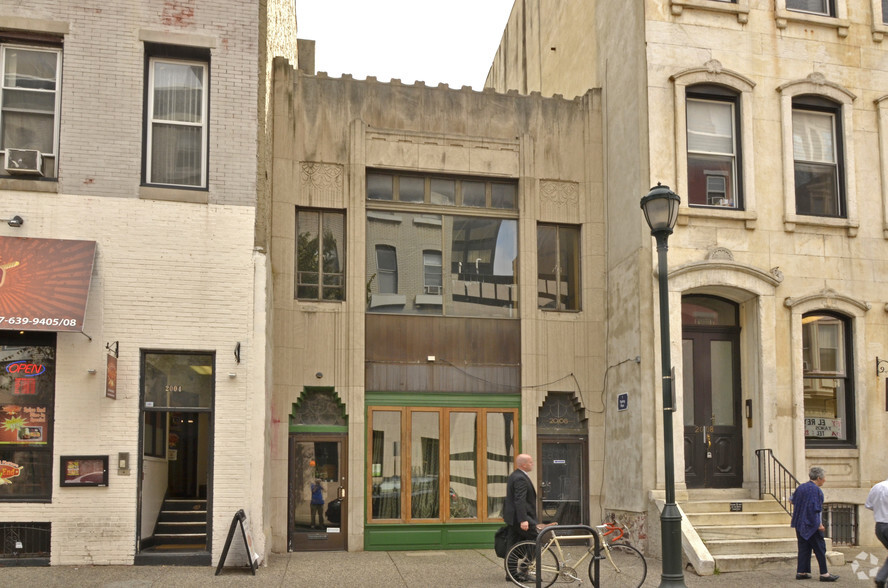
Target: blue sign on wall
(623,401)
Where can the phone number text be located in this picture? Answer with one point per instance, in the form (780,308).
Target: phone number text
(38,321)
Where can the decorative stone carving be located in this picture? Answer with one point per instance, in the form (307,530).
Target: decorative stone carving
(322,179)
(317,407)
(720,253)
(560,194)
(713,66)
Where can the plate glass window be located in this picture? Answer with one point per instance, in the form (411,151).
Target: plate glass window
(829,414)
(30,92)
(177,130)
(558,267)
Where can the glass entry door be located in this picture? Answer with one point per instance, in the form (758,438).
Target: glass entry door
(562,480)
(317,501)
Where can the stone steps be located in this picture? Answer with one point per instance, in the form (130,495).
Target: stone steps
(742,534)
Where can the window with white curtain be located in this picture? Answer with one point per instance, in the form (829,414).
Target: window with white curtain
(177,123)
(816,154)
(29,116)
(712,151)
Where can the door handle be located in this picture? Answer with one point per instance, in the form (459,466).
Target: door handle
(341,493)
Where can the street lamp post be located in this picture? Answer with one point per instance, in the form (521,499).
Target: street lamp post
(660,208)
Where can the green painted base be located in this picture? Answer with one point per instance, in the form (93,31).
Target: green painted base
(421,537)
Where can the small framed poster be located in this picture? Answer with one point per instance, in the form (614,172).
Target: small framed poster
(83,470)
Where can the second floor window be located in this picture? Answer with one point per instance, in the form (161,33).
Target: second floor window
(29,117)
(320,254)
(387,269)
(817,156)
(558,266)
(712,150)
(176,133)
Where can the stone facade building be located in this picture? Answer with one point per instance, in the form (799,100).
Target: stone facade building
(769,120)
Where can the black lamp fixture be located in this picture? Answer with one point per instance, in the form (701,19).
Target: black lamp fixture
(660,208)
(14,222)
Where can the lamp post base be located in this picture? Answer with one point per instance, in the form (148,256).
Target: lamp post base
(670,530)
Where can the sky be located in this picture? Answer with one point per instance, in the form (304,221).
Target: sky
(434,41)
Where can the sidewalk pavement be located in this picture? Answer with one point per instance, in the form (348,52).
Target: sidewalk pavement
(372,569)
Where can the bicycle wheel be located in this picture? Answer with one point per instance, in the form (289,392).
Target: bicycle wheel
(520,563)
(628,569)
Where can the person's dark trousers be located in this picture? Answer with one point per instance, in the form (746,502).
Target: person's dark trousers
(882,535)
(516,535)
(816,544)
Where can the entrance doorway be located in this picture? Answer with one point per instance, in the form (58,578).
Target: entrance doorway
(317,474)
(562,455)
(175,465)
(713,437)
(562,479)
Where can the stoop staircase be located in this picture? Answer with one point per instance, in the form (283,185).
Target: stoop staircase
(181,525)
(756,537)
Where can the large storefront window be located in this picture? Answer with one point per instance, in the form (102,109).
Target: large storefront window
(27,395)
(454,252)
(439,464)
(829,407)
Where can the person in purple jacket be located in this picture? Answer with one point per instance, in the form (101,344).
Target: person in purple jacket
(807,504)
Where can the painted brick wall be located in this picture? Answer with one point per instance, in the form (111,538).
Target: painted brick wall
(103,82)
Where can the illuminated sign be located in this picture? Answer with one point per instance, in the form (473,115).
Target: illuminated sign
(24,368)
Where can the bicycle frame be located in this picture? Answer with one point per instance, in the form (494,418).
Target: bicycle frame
(592,534)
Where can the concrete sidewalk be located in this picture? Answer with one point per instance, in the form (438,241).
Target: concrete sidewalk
(371,569)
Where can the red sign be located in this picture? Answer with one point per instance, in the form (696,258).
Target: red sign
(25,386)
(44,283)
(25,368)
(22,425)
(9,469)
(111,378)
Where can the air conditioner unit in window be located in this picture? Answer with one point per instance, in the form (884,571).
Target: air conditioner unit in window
(23,162)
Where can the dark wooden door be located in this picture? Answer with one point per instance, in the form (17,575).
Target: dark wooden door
(713,437)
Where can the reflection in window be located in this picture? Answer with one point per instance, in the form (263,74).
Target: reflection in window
(474,194)
(468,262)
(816,155)
(443,192)
(463,452)
(178,380)
(425,467)
(827,383)
(320,256)
(558,267)
(475,468)
(386,465)
(387,269)
(712,151)
(503,196)
(379,187)
(431,268)
(500,457)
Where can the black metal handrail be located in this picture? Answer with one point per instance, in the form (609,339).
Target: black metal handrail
(775,479)
(561,528)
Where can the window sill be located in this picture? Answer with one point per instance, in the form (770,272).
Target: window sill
(387,300)
(50,186)
(686,213)
(791,220)
(173,195)
(429,299)
(847,451)
(879,31)
(784,17)
(741,8)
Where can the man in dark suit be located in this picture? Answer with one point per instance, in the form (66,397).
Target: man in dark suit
(520,508)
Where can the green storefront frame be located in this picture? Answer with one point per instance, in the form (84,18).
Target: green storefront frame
(425,536)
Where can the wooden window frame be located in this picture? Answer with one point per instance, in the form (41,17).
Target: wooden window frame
(406,413)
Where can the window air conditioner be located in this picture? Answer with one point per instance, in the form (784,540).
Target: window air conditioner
(23,162)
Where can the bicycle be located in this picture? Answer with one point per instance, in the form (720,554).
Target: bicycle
(620,564)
